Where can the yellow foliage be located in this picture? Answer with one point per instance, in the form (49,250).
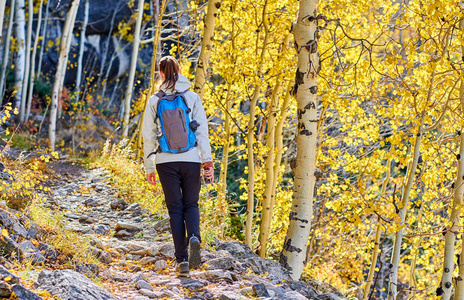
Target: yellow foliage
(128,176)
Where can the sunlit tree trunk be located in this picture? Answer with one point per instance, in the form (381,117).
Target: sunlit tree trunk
(206,45)
(6,53)
(251,134)
(20,60)
(133,67)
(81,50)
(104,55)
(294,249)
(378,231)
(2,15)
(222,185)
(44,37)
(65,44)
(403,207)
(34,53)
(279,136)
(269,192)
(158,18)
(414,253)
(30,13)
(454,229)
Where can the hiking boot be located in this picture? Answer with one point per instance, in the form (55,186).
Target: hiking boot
(182,269)
(194,252)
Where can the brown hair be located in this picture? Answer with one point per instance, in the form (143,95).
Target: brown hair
(169,66)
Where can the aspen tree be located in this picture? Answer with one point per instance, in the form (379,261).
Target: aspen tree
(294,249)
(24,94)
(65,44)
(2,15)
(268,197)
(6,52)
(44,37)
(251,133)
(21,54)
(34,53)
(451,232)
(222,184)
(201,70)
(81,50)
(133,67)
(158,18)
(403,207)
(104,55)
(375,251)
(279,145)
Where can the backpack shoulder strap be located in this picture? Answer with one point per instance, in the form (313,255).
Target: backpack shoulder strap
(160,94)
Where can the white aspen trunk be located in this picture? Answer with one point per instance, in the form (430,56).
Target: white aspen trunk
(395,260)
(201,71)
(279,137)
(2,15)
(375,255)
(225,158)
(293,254)
(107,73)
(20,20)
(250,137)
(450,236)
(65,44)
(44,37)
(414,252)
(22,111)
(269,190)
(105,54)
(158,18)
(33,75)
(156,44)
(130,82)
(81,50)
(6,53)
(375,251)
(222,186)
(268,199)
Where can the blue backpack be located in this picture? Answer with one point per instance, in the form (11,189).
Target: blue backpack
(176,131)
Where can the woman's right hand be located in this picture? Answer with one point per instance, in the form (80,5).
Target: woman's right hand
(151,178)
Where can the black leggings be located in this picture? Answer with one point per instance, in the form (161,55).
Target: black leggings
(181,186)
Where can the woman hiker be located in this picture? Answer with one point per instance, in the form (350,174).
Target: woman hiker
(179,172)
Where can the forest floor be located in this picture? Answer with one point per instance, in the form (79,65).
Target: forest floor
(135,255)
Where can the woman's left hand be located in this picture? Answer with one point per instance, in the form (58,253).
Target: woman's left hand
(209,174)
(208,171)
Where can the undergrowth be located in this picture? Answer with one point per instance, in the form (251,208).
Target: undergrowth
(73,247)
(128,177)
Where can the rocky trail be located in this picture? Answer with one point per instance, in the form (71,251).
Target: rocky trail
(136,253)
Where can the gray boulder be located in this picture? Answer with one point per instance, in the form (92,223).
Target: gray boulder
(5,274)
(8,246)
(70,285)
(236,249)
(225,263)
(28,250)
(23,294)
